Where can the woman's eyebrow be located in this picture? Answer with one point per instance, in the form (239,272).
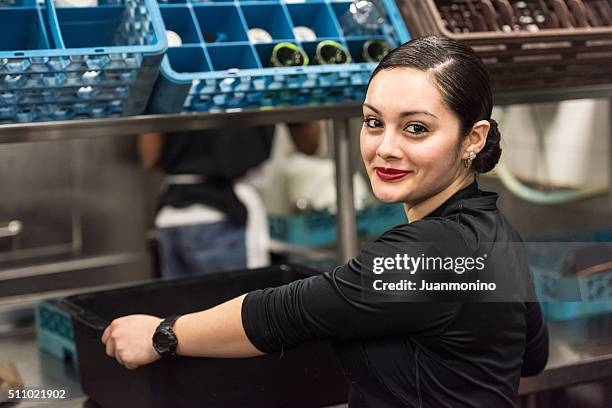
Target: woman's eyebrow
(402,114)
(409,113)
(371,107)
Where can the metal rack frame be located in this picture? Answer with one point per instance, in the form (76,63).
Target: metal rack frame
(75,129)
(340,114)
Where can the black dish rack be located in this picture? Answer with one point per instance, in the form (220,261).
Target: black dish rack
(526,45)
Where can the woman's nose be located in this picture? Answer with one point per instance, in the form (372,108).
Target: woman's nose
(388,149)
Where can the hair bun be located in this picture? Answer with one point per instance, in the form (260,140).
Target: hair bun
(488,157)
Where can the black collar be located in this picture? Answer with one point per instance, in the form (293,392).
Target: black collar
(470,197)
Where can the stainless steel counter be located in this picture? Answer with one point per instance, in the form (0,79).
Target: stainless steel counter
(580,352)
(39,369)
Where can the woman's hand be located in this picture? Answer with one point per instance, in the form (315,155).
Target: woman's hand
(129,340)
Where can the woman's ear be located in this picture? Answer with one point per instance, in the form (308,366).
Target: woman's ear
(477,138)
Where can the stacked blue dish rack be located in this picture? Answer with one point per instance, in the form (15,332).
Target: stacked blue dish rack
(54,332)
(61,63)
(318,228)
(230,72)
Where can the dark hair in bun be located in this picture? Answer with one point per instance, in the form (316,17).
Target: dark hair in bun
(488,157)
(463,81)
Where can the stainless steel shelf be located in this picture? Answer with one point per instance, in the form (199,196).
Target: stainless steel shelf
(132,125)
(74,129)
(554,95)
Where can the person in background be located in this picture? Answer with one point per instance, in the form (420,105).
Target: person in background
(203,209)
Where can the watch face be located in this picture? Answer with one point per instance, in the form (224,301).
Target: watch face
(163,341)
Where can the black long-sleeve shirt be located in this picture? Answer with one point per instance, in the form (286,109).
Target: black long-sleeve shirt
(414,353)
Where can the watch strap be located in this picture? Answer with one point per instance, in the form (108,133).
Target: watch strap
(169,321)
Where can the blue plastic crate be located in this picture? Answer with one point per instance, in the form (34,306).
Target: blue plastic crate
(318,228)
(216,68)
(60,63)
(558,293)
(54,333)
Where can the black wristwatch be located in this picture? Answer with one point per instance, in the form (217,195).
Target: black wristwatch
(164,339)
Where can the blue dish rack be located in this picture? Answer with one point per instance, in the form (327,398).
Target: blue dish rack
(233,73)
(54,333)
(318,228)
(62,63)
(558,293)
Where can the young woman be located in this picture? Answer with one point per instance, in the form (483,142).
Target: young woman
(427,132)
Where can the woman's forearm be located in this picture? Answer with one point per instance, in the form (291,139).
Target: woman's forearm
(216,332)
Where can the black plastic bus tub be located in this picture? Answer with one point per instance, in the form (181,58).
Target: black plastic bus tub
(306,376)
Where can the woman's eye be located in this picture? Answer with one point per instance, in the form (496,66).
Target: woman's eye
(372,123)
(416,128)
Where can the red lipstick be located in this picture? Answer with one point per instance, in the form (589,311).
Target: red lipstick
(390,174)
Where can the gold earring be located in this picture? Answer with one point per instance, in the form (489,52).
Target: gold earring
(468,162)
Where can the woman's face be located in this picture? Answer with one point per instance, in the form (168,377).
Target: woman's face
(409,138)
